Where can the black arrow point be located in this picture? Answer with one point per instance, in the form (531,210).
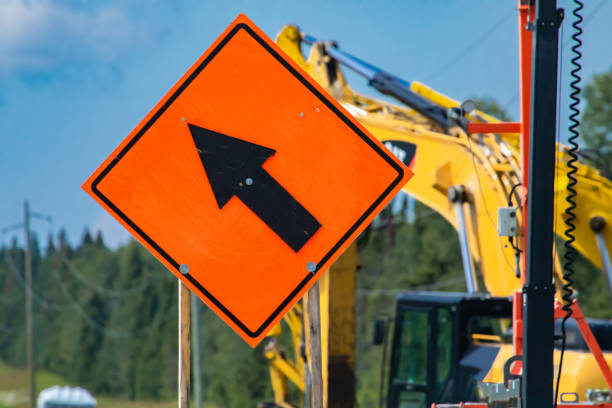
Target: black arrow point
(228,161)
(234,168)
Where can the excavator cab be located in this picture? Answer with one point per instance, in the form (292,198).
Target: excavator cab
(443,344)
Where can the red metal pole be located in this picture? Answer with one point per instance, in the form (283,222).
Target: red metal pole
(501,127)
(526,16)
(588,336)
(517,329)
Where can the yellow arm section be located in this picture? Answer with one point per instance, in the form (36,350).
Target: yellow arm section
(476,116)
(594,199)
(486,165)
(494,169)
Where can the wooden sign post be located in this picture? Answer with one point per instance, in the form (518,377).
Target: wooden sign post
(184,304)
(314,325)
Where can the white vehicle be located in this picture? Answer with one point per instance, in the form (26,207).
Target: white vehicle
(65,397)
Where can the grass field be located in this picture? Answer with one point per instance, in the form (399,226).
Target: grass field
(14,390)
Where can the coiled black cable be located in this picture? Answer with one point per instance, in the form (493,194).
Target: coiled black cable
(517,251)
(511,239)
(570,216)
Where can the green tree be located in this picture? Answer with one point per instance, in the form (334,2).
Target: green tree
(99,239)
(50,246)
(491,106)
(87,238)
(596,126)
(63,243)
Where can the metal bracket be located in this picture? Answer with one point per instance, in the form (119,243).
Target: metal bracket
(547,24)
(532,289)
(496,393)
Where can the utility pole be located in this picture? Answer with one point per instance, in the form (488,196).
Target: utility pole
(28,297)
(538,323)
(27,217)
(195,344)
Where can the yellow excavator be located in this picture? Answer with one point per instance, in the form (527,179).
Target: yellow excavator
(443,344)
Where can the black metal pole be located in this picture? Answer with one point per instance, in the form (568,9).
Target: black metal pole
(538,327)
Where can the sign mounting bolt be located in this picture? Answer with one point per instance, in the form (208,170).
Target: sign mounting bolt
(311,267)
(184,269)
(248,181)
(184,120)
(302,114)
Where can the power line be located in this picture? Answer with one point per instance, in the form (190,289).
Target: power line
(77,306)
(44,303)
(117,334)
(9,300)
(4,329)
(78,275)
(101,290)
(12,227)
(463,53)
(587,20)
(6,300)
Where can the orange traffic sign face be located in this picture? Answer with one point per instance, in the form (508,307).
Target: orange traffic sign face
(247,180)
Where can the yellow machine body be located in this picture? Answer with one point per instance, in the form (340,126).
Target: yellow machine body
(580,372)
(487,165)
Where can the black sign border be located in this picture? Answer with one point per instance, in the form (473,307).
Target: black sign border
(318,94)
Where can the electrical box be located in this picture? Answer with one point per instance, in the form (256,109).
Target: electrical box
(507,225)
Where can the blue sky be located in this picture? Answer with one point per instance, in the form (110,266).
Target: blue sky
(76,75)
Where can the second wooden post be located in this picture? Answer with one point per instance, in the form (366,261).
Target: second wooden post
(184,355)
(314,323)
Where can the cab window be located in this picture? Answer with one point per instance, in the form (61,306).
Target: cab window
(412,364)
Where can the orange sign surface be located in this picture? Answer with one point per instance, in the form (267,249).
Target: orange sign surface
(247,180)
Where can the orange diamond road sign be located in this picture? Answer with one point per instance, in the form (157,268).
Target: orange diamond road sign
(247,180)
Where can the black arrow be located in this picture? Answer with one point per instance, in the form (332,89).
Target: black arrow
(234,167)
